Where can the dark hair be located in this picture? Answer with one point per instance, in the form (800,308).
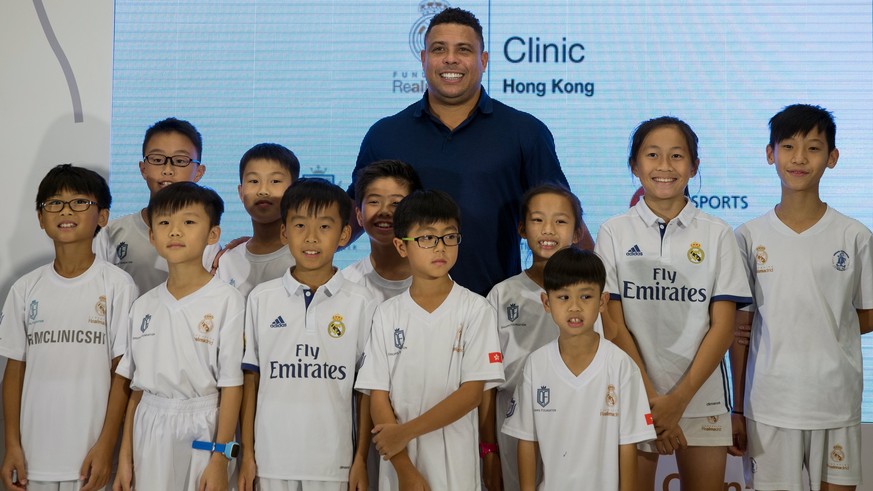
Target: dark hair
(800,119)
(646,127)
(424,208)
(550,188)
(571,266)
(395,169)
(173,125)
(457,16)
(315,194)
(271,151)
(67,177)
(181,194)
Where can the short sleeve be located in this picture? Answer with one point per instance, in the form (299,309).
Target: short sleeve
(230,344)
(519,422)
(374,370)
(13,324)
(605,249)
(366,327)
(731,281)
(744,243)
(863,298)
(123,293)
(127,365)
(250,359)
(482,357)
(636,418)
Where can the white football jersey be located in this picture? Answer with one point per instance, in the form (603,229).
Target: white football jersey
(67,331)
(666,276)
(421,358)
(243,270)
(124,242)
(186,348)
(306,357)
(580,421)
(804,369)
(362,272)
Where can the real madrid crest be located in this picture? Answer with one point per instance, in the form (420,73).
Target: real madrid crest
(837,454)
(101,306)
(611,398)
(206,324)
(428,9)
(761,254)
(695,253)
(336,328)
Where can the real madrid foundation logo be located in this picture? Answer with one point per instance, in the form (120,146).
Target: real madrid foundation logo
(336,328)
(145,322)
(428,9)
(695,253)
(512,312)
(761,254)
(206,324)
(544,396)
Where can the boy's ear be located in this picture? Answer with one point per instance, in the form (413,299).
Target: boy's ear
(544,297)
(214,235)
(771,155)
(39,218)
(345,235)
(142,168)
(359,215)
(103,217)
(151,236)
(521,231)
(832,158)
(283,234)
(239,192)
(201,169)
(604,299)
(400,245)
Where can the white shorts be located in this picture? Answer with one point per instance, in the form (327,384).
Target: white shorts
(288,485)
(163,431)
(58,485)
(776,456)
(706,431)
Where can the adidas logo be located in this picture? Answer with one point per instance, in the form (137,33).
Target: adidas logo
(634,251)
(279,322)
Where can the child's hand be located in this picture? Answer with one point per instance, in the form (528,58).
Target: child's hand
(357,475)
(248,472)
(14,463)
(667,410)
(492,473)
(738,423)
(743,334)
(671,440)
(124,475)
(97,467)
(214,477)
(390,439)
(412,480)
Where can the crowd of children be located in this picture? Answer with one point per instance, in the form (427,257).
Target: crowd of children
(390,375)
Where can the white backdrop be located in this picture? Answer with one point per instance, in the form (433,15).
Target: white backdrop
(38,127)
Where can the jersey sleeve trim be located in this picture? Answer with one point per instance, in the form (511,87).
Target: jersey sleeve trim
(248,367)
(740,301)
(615,296)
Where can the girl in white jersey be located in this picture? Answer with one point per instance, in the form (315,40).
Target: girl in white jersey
(551,219)
(676,276)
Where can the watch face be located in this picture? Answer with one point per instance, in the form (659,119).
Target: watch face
(234,450)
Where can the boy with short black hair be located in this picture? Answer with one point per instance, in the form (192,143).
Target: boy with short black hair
(171,151)
(305,335)
(799,393)
(183,355)
(432,352)
(580,384)
(63,329)
(379,187)
(265,172)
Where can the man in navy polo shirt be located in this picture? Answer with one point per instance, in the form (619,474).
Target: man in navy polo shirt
(485,154)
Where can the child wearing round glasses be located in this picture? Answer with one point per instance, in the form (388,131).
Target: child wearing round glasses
(171,153)
(432,352)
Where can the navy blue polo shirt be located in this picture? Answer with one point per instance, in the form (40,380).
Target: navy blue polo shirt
(486,164)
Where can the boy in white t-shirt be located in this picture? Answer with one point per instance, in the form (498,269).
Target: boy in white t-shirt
(183,356)
(265,172)
(305,333)
(379,187)
(171,152)
(63,329)
(432,352)
(797,386)
(581,403)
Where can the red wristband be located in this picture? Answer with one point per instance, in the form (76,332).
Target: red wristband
(487,448)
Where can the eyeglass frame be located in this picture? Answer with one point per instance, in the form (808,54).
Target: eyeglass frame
(65,204)
(438,238)
(170,159)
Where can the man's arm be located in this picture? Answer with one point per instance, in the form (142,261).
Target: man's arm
(739,355)
(97,467)
(392,438)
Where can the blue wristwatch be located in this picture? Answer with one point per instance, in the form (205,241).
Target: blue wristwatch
(229,449)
